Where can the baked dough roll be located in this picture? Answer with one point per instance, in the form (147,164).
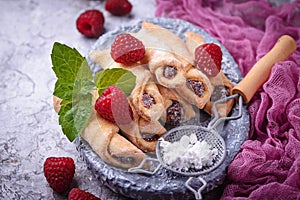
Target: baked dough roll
(147,100)
(197,88)
(192,41)
(166,54)
(169,71)
(176,110)
(104,138)
(167,40)
(222,86)
(104,59)
(143,134)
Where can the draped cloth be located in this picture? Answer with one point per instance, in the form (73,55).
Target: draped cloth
(268,165)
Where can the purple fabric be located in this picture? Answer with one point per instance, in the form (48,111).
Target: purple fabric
(268,166)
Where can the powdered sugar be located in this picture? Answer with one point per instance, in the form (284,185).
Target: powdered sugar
(188,153)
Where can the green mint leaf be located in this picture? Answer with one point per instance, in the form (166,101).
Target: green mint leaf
(73,86)
(66,119)
(122,78)
(66,63)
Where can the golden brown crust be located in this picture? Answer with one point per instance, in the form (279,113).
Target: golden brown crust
(152,127)
(104,138)
(222,108)
(133,132)
(104,59)
(152,112)
(193,40)
(199,101)
(164,48)
(166,38)
(158,60)
(169,96)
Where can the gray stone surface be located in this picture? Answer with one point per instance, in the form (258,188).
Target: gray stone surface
(29,128)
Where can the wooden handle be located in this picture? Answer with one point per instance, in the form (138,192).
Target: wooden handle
(260,72)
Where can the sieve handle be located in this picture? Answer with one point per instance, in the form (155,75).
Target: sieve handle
(144,167)
(260,72)
(197,193)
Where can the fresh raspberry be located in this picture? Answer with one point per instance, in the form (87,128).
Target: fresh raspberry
(113,106)
(118,7)
(78,194)
(90,23)
(59,172)
(208,59)
(127,49)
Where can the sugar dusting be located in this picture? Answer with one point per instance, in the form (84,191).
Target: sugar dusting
(188,153)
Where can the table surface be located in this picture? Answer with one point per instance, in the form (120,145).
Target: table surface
(29,126)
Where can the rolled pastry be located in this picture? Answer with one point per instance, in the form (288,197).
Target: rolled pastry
(147,100)
(144,134)
(113,149)
(165,38)
(177,110)
(192,41)
(104,138)
(222,87)
(197,88)
(221,84)
(104,59)
(168,70)
(166,54)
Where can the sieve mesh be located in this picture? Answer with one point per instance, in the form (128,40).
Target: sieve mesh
(203,134)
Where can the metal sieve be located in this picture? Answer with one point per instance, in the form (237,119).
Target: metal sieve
(243,91)
(213,139)
(208,134)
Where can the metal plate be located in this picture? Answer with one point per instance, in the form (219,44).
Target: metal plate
(166,184)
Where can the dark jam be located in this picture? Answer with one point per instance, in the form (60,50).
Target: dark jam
(196,86)
(169,72)
(174,113)
(147,100)
(149,137)
(220,92)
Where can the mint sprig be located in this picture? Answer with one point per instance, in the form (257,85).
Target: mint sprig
(75,83)
(119,77)
(73,86)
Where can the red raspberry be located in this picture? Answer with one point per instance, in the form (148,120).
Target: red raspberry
(90,23)
(118,7)
(113,106)
(78,194)
(127,49)
(59,172)
(208,59)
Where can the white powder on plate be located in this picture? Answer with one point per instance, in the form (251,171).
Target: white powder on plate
(187,153)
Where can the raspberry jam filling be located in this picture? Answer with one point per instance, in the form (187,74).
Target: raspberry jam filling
(196,86)
(174,113)
(220,92)
(149,137)
(169,72)
(148,100)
